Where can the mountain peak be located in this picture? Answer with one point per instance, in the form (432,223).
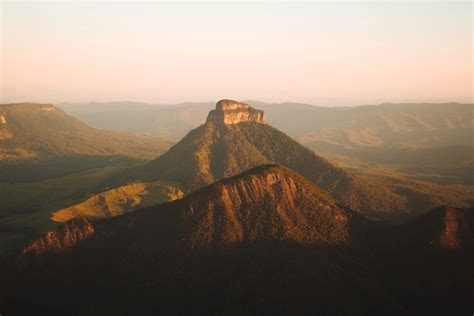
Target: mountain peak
(234,112)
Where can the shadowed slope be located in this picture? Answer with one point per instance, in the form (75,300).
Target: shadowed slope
(427,263)
(443,228)
(265,241)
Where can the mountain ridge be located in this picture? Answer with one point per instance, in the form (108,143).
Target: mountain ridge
(228,211)
(214,151)
(36,132)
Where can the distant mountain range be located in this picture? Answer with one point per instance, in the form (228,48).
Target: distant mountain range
(430,141)
(264,241)
(405,125)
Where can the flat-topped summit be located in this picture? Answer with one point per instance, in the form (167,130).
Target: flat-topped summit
(233,112)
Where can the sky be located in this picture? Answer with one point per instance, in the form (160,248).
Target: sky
(324,53)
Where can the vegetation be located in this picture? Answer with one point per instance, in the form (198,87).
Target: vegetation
(444,165)
(265,241)
(123,199)
(216,151)
(420,194)
(25,208)
(37,132)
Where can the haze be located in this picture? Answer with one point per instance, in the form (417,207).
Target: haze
(320,53)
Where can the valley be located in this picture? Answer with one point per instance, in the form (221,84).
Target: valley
(58,189)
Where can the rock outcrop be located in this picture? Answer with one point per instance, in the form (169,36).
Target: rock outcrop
(443,228)
(62,238)
(233,112)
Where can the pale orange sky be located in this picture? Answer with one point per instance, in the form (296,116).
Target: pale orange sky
(319,53)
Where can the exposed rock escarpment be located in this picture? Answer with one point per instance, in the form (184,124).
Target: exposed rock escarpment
(266,203)
(62,238)
(444,228)
(233,112)
(455,233)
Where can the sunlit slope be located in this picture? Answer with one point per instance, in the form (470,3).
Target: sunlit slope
(120,200)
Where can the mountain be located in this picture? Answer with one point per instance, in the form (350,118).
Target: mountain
(266,240)
(43,135)
(225,146)
(263,242)
(418,138)
(265,203)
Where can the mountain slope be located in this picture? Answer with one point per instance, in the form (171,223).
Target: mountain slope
(216,150)
(37,132)
(268,240)
(269,202)
(263,242)
(427,263)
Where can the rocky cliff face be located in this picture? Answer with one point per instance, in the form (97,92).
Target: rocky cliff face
(443,228)
(233,112)
(266,203)
(456,232)
(62,238)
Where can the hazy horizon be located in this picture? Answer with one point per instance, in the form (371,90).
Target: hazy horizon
(327,54)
